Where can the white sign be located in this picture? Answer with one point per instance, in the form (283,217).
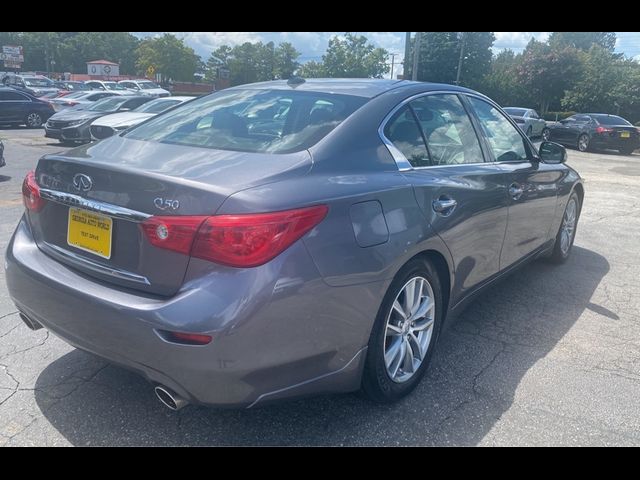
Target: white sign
(12,50)
(104,70)
(11,57)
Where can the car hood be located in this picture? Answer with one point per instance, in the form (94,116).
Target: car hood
(123,119)
(76,114)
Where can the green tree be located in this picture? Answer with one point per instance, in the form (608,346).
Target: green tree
(547,72)
(440,55)
(354,57)
(312,69)
(169,56)
(501,83)
(254,62)
(583,40)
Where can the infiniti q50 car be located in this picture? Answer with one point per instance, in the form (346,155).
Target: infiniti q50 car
(282,239)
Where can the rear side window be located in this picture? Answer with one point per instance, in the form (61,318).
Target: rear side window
(403,131)
(504,139)
(268,121)
(448,130)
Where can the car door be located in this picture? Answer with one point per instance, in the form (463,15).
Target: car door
(462,196)
(14,106)
(532,185)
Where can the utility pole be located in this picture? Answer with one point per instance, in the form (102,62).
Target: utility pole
(461,57)
(393,59)
(416,56)
(407,54)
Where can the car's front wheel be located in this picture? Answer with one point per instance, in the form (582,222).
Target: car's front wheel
(567,232)
(404,333)
(546,134)
(33,120)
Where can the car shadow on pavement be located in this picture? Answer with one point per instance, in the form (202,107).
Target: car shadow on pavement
(480,361)
(4,178)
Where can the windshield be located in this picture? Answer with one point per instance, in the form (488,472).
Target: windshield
(37,82)
(107,104)
(610,120)
(515,112)
(157,106)
(113,86)
(76,86)
(269,121)
(147,85)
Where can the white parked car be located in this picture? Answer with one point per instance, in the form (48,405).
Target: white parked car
(108,86)
(111,124)
(80,99)
(144,87)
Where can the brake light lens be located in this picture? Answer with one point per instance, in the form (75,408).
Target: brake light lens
(604,130)
(242,241)
(185,338)
(31,193)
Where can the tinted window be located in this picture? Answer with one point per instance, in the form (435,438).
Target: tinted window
(516,112)
(13,96)
(270,121)
(135,102)
(448,130)
(403,131)
(610,120)
(582,118)
(107,104)
(504,139)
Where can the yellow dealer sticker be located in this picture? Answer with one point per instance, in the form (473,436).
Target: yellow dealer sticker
(90,232)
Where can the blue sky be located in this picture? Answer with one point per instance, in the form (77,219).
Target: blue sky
(312,45)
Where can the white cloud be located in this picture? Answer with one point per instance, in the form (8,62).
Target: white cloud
(516,41)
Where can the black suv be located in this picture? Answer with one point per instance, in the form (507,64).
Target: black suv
(20,108)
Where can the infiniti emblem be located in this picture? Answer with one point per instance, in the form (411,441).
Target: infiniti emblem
(82,182)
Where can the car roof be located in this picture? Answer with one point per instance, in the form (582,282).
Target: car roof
(362,87)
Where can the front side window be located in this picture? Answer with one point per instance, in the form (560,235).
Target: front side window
(504,140)
(403,131)
(447,129)
(268,121)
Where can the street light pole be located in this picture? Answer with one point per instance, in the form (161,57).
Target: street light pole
(393,58)
(407,54)
(461,57)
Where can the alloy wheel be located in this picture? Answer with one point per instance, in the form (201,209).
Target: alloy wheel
(409,328)
(34,120)
(568,226)
(583,143)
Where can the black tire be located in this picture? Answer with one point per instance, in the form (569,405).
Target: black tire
(546,134)
(529,131)
(626,150)
(33,120)
(377,385)
(583,142)
(558,255)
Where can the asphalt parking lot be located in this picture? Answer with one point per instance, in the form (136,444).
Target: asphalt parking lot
(549,357)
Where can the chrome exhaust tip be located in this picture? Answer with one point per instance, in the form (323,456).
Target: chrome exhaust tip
(169,398)
(32,324)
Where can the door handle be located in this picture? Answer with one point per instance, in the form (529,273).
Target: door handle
(516,191)
(444,205)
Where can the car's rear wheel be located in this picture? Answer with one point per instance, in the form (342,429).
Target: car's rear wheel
(583,142)
(33,120)
(404,333)
(567,232)
(546,134)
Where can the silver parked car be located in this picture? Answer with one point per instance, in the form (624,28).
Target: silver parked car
(528,120)
(282,239)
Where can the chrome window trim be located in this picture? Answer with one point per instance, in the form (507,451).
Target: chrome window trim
(73,200)
(401,161)
(87,263)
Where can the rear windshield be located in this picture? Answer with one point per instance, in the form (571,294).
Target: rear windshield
(610,120)
(270,121)
(516,112)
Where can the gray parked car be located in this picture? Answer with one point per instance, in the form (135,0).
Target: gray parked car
(528,120)
(2,161)
(282,239)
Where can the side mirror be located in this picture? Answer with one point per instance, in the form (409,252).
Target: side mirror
(551,152)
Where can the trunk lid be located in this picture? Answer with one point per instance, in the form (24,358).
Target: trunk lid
(132,179)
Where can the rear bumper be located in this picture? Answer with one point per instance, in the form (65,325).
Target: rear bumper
(615,143)
(294,335)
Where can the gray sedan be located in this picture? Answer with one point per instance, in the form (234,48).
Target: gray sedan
(282,239)
(528,120)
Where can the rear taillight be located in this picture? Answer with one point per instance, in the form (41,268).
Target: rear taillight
(31,193)
(247,240)
(604,130)
(185,338)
